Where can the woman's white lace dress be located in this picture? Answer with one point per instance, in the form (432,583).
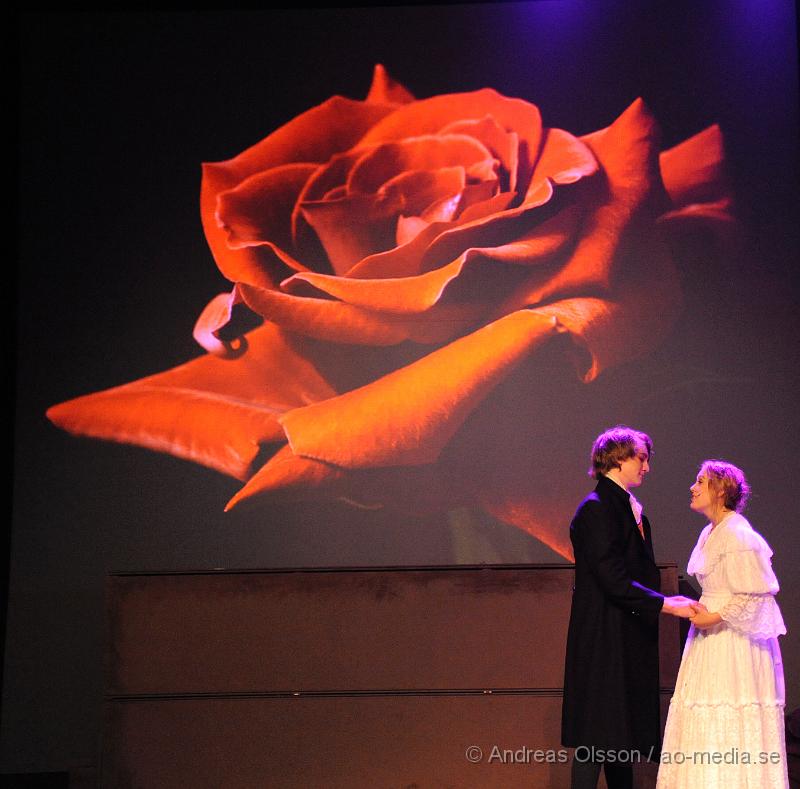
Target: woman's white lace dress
(725,727)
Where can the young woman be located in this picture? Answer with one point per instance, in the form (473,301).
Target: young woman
(725,726)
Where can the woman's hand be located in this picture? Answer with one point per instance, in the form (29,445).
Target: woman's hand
(704,620)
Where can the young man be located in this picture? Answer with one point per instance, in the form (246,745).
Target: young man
(611,702)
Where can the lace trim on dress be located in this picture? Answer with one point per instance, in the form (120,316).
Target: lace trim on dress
(761,705)
(755,615)
(693,736)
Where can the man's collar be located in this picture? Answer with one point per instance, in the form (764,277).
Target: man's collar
(614,485)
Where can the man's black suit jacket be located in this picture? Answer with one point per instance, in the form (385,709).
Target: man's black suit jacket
(611,683)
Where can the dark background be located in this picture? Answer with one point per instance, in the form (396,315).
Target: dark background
(118,111)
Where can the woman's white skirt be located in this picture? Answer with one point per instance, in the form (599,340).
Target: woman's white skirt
(725,727)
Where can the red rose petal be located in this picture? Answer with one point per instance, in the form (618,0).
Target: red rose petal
(335,321)
(285,472)
(533,513)
(487,208)
(413,257)
(431,116)
(402,261)
(475,194)
(718,214)
(628,156)
(408,416)
(315,136)
(216,315)
(197,426)
(504,145)
(212,411)
(627,150)
(260,207)
(355,226)
(327,183)
(693,170)
(442,210)
(385,90)
(564,160)
(416,294)
(427,152)
(626,325)
(407,489)
(409,295)
(695,179)
(352,227)
(332,175)
(336,193)
(409,227)
(417,190)
(439,243)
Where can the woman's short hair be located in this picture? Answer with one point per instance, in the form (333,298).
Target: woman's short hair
(614,445)
(730,480)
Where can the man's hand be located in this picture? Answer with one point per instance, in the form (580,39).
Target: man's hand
(681,606)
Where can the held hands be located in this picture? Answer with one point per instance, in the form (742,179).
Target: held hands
(703,619)
(692,610)
(684,607)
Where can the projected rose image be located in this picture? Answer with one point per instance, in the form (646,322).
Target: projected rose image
(395,262)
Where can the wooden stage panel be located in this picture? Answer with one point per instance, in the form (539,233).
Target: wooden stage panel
(339,630)
(345,742)
(360,677)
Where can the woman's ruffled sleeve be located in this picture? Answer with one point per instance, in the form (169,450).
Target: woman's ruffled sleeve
(752,609)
